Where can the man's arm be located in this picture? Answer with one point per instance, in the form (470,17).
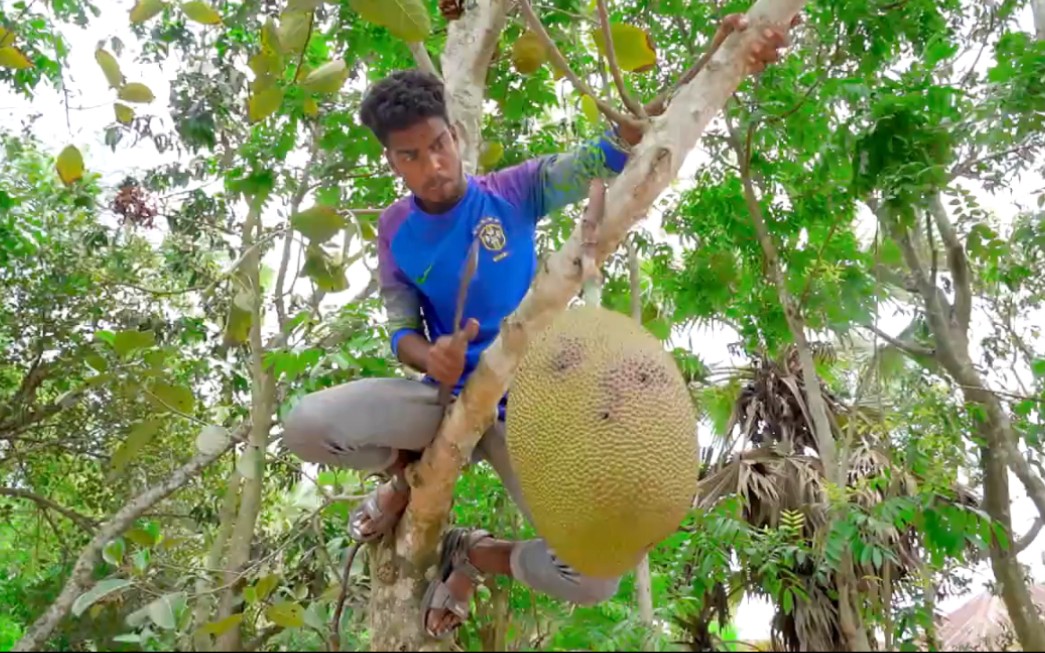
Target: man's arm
(403,306)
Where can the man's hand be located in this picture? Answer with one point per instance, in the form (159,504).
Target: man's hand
(766,49)
(445,359)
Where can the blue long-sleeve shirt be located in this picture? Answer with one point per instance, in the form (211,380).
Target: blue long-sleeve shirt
(421,255)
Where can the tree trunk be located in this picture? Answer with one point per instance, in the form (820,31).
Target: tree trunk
(399,579)
(949,327)
(1038,10)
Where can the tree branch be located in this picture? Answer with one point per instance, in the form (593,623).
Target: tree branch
(535,24)
(421,56)
(611,58)
(653,164)
(295,204)
(81,520)
(906,347)
(1029,537)
(956,261)
(81,578)
(470,44)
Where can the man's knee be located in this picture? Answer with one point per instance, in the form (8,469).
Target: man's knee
(304,430)
(592,591)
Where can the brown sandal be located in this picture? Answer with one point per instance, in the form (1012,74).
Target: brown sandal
(381,522)
(454,557)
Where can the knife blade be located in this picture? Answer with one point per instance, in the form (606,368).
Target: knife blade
(470,265)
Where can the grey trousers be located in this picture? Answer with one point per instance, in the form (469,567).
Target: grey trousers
(363,424)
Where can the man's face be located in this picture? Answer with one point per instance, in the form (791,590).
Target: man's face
(426,157)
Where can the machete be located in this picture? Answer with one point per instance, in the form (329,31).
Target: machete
(470,264)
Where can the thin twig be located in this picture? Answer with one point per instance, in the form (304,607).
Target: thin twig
(335,626)
(611,58)
(907,348)
(538,28)
(83,521)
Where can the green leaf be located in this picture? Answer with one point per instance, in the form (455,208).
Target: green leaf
(218,628)
(113,552)
(136,92)
(328,78)
(407,19)
(10,57)
(69,165)
(318,223)
(286,614)
(659,327)
(165,396)
(110,68)
(327,271)
(201,12)
(164,610)
(125,342)
(1038,368)
(632,45)
(212,439)
(143,10)
(102,589)
(140,435)
(263,104)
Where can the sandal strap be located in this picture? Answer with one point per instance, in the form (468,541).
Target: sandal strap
(459,558)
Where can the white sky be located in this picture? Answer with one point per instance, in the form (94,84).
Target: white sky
(91,111)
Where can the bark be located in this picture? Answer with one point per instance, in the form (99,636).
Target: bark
(262,399)
(652,166)
(470,44)
(1038,9)
(205,603)
(81,578)
(643,579)
(83,521)
(949,329)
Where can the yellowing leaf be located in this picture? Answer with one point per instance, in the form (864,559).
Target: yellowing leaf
(309,107)
(286,614)
(327,271)
(143,10)
(266,62)
(270,36)
(6,38)
(218,628)
(165,396)
(328,78)
(318,224)
(110,67)
(528,53)
(237,326)
(589,108)
(293,30)
(491,154)
(139,436)
(124,114)
(632,45)
(136,92)
(201,12)
(265,585)
(10,57)
(69,164)
(125,342)
(407,19)
(264,103)
(303,5)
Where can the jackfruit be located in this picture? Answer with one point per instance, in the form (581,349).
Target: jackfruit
(601,432)
(528,53)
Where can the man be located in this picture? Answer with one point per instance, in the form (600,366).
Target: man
(423,240)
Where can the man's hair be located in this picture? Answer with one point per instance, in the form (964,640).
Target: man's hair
(401,100)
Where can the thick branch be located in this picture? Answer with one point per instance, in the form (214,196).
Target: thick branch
(83,521)
(611,58)
(470,44)
(956,261)
(535,24)
(1031,535)
(652,166)
(81,578)
(1038,10)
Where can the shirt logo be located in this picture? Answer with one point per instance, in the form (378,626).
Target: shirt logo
(491,236)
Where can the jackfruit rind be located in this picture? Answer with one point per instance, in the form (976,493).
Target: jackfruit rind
(601,432)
